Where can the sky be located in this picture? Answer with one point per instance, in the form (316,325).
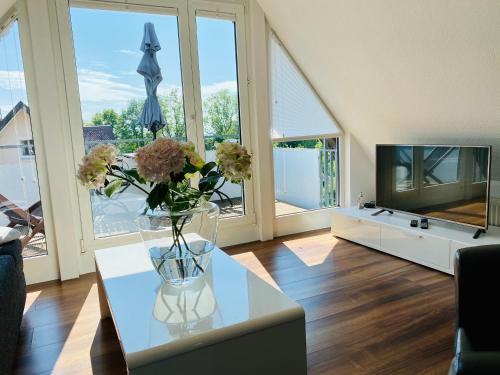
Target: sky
(107,53)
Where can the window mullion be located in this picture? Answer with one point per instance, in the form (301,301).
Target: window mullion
(197,115)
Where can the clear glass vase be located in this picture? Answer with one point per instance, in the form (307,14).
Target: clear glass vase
(180,244)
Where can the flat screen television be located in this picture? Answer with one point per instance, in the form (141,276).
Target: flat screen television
(443,182)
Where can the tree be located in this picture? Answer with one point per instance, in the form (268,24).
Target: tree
(328,143)
(221,119)
(222,115)
(130,134)
(173,110)
(106,117)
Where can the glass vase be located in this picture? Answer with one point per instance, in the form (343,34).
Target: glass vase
(180,244)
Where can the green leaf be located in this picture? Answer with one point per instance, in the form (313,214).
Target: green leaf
(208,183)
(190,168)
(112,187)
(214,173)
(157,195)
(207,168)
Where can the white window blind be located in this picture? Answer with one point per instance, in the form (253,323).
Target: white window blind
(296,110)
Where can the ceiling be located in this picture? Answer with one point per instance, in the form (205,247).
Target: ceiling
(5,6)
(399,71)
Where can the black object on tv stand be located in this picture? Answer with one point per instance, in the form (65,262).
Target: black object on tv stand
(382,210)
(478,233)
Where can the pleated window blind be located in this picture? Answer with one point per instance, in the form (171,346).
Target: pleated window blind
(296,110)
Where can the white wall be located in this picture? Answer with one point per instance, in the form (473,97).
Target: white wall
(359,173)
(297,176)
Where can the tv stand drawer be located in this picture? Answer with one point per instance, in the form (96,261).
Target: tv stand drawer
(417,246)
(357,229)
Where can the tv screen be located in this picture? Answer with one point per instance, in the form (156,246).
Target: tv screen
(448,183)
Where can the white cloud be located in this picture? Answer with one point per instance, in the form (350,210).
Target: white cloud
(98,65)
(129,72)
(97,86)
(208,90)
(129,52)
(12,80)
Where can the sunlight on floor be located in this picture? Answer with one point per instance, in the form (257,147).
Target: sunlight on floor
(82,333)
(31,297)
(251,261)
(315,252)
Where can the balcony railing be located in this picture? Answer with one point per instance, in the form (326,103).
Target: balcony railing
(328,177)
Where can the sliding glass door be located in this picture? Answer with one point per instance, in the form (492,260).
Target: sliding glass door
(200,96)
(112,96)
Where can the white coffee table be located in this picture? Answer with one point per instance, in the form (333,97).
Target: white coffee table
(228,322)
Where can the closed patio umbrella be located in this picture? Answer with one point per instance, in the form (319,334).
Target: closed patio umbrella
(151,117)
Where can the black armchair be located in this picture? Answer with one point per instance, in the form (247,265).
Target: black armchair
(477,341)
(12,300)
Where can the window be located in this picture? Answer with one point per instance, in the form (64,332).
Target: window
(440,165)
(220,101)
(27,148)
(480,165)
(200,97)
(405,168)
(112,94)
(305,142)
(305,175)
(20,202)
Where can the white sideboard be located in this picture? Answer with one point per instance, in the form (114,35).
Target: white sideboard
(434,247)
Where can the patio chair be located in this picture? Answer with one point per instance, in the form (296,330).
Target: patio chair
(32,218)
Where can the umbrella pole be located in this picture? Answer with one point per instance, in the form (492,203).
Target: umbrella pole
(154,134)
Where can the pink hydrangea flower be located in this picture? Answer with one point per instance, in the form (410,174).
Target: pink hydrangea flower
(159,160)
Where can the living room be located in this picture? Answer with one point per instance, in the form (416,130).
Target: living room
(249,186)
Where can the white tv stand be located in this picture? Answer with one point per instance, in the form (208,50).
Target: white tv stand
(391,233)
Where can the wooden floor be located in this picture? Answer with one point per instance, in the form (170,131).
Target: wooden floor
(366,312)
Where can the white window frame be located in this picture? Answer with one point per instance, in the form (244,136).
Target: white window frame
(232,12)
(231,230)
(316,218)
(41,268)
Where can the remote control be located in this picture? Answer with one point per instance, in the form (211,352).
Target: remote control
(414,223)
(424,224)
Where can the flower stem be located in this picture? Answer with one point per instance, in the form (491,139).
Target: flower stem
(129,181)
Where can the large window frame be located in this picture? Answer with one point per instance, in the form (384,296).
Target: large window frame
(186,12)
(316,218)
(46,267)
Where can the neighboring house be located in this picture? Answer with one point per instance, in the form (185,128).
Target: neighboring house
(16,139)
(18,173)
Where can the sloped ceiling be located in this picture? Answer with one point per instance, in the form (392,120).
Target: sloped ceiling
(5,6)
(400,71)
